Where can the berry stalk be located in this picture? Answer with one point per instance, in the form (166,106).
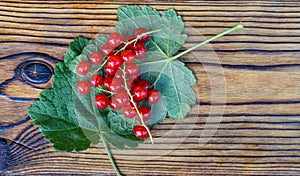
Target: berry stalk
(135,40)
(106,91)
(135,107)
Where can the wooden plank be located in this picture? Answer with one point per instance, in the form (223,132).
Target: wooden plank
(246,121)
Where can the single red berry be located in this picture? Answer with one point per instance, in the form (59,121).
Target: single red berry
(139,50)
(115,105)
(127,56)
(109,70)
(129,112)
(101,101)
(140,33)
(96,58)
(96,80)
(146,113)
(114,62)
(83,87)
(143,82)
(115,39)
(118,74)
(116,86)
(140,132)
(107,82)
(107,49)
(83,67)
(153,96)
(121,98)
(139,92)
(132,69)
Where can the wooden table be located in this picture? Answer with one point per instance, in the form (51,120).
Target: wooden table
(257,73)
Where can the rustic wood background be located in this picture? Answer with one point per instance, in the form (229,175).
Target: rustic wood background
(258,134)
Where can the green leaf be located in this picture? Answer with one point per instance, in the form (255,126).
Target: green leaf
(168,40)
(75,49)
(78,44)
(53,112)
(172,78)
(120,124)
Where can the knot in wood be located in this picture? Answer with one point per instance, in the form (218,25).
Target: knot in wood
(36,72)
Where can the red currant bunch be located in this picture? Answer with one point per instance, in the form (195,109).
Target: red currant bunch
(118,79)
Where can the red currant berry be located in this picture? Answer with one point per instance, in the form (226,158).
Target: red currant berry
(139,50)
(132,69)
(107,82)
(110,71)
(118,74)
(153,96)
(127,56)
(96,80)
(143,82)
(83,87)
(114,62)
(139,92)
(101,101)
(83,68)
(140,33)
(116,86)
(96,58)
(115,39)
(146,113)
(115,105)
(140,132)
(129,112)
(121,98)
(107,49)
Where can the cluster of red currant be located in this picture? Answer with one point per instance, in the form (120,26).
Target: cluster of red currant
(118,78)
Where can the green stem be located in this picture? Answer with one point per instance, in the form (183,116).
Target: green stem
(102,65)
(111,159)
(239,26)
(106,91)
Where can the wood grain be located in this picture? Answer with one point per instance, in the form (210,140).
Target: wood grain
(246,121)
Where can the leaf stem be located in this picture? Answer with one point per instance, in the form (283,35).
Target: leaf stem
(111,159)
(239,26)
(135,107)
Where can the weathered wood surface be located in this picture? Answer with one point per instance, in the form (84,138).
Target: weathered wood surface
(247,120)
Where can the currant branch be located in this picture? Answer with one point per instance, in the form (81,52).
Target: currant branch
(134,104)
(135,40)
